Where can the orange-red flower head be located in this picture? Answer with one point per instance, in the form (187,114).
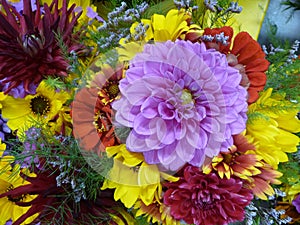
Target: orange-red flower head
(245,55)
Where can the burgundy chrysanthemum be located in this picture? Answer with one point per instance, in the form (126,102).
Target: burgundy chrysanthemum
(29,48)
(206,199)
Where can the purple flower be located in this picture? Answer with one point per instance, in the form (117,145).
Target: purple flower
(19,5)
(182,101)
(296,203)
(93,15)
(19,91)
(4,129)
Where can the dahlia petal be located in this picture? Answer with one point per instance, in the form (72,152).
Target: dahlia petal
(148,108)
(151,157)
(167,154)
(142,125)
(138,92)
(136,143)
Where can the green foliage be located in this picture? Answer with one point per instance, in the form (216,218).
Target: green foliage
(293,5)
(63,156)
(290,170)
(217,16)
(282,76)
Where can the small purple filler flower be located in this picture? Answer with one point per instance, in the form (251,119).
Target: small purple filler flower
(182,101)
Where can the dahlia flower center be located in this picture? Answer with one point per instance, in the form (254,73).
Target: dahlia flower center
(186,97)
(205,201)
(32,43)
(101,122)
(40,105)
(14,198)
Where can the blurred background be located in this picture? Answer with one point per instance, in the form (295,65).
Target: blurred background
(285,23)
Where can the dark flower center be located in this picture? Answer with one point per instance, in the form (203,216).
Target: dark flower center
(230,158)
(14,198)
(40,105)
(112,89)
(101,122)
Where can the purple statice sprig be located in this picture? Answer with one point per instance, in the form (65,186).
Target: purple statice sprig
(185,4)
(221,11)
(118,25)
(219,38)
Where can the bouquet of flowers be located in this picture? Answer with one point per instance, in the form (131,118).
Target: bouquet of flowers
(145,113)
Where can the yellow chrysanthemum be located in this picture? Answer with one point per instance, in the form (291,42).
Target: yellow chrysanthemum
(271,121)
(132,178)
(9,179)
(22,113)
(175,25)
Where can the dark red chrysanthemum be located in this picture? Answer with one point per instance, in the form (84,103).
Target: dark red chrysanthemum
(245,55)
(29,48)
(206,199)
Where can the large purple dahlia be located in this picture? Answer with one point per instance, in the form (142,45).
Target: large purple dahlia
(182,101)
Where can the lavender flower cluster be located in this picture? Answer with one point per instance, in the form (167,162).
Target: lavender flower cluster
(219,38)
(185,4)
(112,27)
(213,6)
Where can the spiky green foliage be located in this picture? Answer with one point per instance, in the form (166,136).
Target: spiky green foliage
(284,73)
(214,15)
(63,156)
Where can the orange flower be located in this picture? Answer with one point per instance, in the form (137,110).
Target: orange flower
(92,124)
(245,55)
(92,113)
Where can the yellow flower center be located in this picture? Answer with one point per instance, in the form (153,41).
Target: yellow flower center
(186,97)
(40,105)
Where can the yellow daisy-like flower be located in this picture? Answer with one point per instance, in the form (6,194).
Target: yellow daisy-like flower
(170,27)
(9,179)
(132,178)
(271,119)
(175,25)
(22,113)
